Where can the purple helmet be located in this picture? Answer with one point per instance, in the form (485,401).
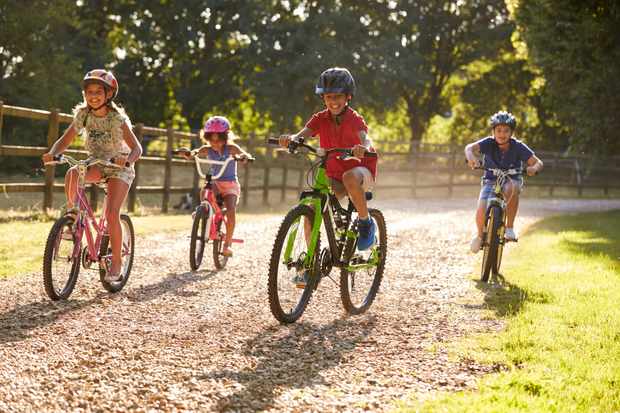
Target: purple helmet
(217,124)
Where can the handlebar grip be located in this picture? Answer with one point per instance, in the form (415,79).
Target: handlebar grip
(57,158)
(370,154)
(273,141)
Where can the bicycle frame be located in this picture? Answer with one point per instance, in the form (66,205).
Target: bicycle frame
(86,221)
(209,196)
(325,206)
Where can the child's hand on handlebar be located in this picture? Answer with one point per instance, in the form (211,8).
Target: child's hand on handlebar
(120,160)
(284,140)
(47,157)
(359,151)
(473,163)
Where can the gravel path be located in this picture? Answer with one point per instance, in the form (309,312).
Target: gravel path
(177,341)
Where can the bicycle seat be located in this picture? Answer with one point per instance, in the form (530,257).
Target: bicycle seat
(368,196)
(220,200)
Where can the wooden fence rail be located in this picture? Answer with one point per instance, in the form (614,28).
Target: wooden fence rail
(421,170)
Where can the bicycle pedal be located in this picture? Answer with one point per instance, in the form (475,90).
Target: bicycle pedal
(238,241)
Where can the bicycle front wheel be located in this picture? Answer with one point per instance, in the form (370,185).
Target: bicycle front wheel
(361,277)
(219,259)
(199,237)
(61,260)
(127,253)
(288,298)
(491,242)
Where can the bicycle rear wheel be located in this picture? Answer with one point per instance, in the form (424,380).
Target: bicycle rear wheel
(358,288)
(286,301)
(61,263)
(199,237)
(491,241)
(219,259)
(127,253)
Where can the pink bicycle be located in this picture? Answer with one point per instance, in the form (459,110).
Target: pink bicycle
(63,250)
(209,218)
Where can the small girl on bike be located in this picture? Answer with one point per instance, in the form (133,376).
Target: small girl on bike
(219,146)
(108,136)
(501,151)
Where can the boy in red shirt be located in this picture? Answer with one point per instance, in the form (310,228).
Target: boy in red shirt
(339,126)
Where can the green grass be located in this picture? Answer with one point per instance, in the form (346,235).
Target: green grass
(561,301)
(22,242)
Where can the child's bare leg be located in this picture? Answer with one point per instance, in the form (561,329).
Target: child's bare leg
(117,192)
(352,180)
(71,183)
(511,194)
(480,215)
(230,201)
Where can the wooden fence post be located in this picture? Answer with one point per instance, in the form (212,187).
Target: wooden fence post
(1,120)
(284,179)
(195,178)
(52,135)
(452,170)
(579,178)
(168,167)
(131,201)
(554,172)
(268,161)
(414,164)
(245,189)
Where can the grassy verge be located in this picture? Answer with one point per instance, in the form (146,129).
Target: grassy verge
(22,242)
(561,301)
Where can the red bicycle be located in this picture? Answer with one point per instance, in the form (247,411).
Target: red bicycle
(63,250)
(209,218)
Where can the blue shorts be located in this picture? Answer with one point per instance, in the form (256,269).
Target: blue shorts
(487,185)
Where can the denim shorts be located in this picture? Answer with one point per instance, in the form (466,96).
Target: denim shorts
(487,186)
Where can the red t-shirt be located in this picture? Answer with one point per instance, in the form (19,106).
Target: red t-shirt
(345,135)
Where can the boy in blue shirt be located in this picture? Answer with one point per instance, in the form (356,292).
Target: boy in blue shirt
(504,152)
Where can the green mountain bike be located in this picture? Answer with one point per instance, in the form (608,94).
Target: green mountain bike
(297,252)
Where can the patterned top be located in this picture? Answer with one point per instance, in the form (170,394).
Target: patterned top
(104,135)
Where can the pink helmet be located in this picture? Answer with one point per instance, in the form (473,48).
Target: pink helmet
(217,124)
(102,77)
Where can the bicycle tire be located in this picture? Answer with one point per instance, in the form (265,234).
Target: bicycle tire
(198,238)
(347,278)
(220,260)
(104,250)
(491,242)
(51,248)
(500,247)
(275,303)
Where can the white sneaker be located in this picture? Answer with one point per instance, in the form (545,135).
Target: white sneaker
(510,235)
(476,244)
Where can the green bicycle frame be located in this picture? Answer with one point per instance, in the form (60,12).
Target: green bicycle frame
(321,191)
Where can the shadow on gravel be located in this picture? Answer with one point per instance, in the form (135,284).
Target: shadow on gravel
(16,323)
(172,284)
(289,357)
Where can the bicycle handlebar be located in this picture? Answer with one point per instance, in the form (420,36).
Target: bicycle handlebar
(66,159)
(224,164)
(321,152)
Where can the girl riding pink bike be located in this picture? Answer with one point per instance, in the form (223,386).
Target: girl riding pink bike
(108,136)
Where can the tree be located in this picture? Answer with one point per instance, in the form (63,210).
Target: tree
(577,47)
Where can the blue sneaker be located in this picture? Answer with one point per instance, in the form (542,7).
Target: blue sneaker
(366,234)
(300,280)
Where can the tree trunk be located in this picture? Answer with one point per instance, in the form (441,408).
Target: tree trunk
(418,123)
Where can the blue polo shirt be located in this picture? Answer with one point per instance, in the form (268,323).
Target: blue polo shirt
(516,156)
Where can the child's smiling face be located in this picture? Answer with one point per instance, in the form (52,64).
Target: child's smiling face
(95,95)
(335,102)
(502,134)
(215,141)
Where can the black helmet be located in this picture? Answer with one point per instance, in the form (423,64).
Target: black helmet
(335,80)
(503,118)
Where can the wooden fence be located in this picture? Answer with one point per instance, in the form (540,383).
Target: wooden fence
(431,167)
